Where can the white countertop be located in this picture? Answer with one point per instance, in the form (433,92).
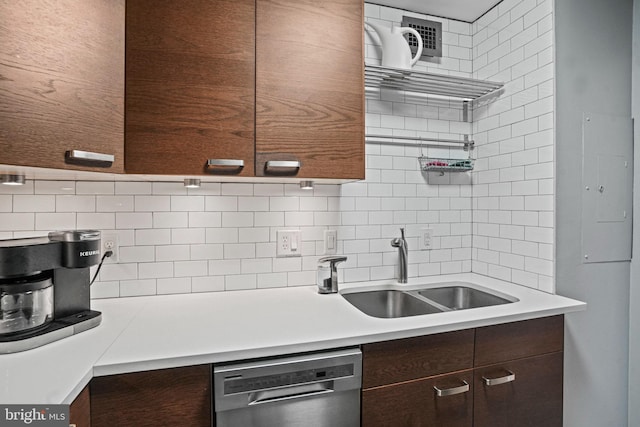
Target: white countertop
(145,333)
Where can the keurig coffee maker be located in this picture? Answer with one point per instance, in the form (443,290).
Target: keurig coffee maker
(44,288)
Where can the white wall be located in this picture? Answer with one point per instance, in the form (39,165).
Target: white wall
(593,73)
(634,300)
(513,191)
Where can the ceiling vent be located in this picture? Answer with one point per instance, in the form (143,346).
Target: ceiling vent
(431,33)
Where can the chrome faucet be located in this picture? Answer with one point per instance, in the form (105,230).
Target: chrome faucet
(328,275)
(401,244)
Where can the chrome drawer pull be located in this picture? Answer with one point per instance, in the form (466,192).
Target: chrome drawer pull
(88,156)
(288,164)
(501,380)
(231,163)
(441,392)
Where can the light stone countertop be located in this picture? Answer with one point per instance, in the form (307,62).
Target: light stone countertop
(145,333)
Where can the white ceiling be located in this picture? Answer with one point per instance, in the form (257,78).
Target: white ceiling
(462,10)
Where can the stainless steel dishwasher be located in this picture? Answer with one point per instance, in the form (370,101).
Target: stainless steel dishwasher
(319,390)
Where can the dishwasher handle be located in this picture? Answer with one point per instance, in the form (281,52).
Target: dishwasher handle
(291,392)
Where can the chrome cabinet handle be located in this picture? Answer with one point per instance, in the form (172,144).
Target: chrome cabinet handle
(232,163)
(283,164)
(500,380)
(89,156)
(441,392)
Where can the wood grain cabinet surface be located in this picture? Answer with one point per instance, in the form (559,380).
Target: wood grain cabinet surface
(80,409)
(190,74)
(166,397)
(399,379)
(62,82)
(507,375)
(310,86)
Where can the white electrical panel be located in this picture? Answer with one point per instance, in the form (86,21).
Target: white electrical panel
(607,187)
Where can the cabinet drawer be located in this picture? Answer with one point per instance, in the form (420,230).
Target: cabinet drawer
(517,340)
(411,358)
(416,403)
(525,392)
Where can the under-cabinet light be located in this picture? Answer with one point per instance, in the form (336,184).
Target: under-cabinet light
(12,179)
(192,183)
(306,185)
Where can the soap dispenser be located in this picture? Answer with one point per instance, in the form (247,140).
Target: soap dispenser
(328,274)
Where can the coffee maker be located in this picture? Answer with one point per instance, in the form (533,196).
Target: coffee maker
(45,288)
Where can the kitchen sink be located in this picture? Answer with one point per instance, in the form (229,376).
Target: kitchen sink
(392,303)
(462,297)
(389,304)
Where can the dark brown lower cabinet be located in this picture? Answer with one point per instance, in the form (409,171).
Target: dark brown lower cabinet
(80,410)
(165,397)
(416,403)
(520,393)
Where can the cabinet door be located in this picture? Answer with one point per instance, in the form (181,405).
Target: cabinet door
(310,87)
(80,410)
(167,397)
(522,393)
(190,86)
(62,83)
(417,403)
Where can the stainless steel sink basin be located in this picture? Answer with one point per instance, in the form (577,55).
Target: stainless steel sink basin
(389,304)
(461,297)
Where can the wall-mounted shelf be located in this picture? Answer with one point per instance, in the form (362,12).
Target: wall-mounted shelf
(462,88)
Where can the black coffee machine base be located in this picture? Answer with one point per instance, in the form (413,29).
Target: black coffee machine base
(54,331)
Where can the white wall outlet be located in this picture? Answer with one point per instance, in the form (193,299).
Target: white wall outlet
(330,242)
(288,243)
(425,239)
(110,243)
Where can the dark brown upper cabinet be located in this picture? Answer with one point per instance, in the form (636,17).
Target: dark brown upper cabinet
(190,76)
(62,84)
(310,87)
(245,88)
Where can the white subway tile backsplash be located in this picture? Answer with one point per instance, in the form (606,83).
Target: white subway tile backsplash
(132,288)
(29,203)
(55,221)
(173,286)
(170,220)
(144,203)
(190,268)
(69,203)
(172,253)
(95,187)
(155,270)
(207,284)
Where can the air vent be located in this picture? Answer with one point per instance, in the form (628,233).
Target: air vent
(431,33)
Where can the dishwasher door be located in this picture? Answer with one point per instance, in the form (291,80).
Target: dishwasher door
(320,390)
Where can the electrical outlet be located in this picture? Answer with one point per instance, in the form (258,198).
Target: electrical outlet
(425,239)
(110,243)
(330,242)
(289,243)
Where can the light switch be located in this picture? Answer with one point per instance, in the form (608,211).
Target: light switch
(330,242)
